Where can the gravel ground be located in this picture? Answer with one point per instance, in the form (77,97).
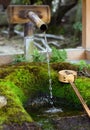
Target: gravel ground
(14,45)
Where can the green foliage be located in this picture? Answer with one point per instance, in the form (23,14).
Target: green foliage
(25,1)
(58,55)
(78,26)
(57,30)
(38,2)
(18,58)
(82,64)
(20,1)
(37,57)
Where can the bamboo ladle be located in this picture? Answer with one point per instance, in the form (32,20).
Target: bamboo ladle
(68,76)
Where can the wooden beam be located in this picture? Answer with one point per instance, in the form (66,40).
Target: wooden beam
(86,24)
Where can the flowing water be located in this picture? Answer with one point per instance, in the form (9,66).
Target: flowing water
(49,72)
(45,117)
(52,109)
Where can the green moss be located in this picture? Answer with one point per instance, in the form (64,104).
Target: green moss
(12,87)
(28,78)
(64,65)
(14,110)
(19,84)
(65,91)
(83,85)
(21,81)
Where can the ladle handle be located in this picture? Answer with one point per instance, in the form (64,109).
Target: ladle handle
(80,98)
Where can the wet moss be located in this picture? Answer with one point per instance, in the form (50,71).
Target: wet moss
(67,94)
(83,85)
(22,81)
(14,110)
(64,65)
(28,78)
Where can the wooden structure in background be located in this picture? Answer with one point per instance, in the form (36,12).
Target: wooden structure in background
(86,24)
(82,53)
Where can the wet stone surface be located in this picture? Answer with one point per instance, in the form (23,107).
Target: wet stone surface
(24,126)
(72,123)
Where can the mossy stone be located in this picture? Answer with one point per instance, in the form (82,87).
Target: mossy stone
(22,81)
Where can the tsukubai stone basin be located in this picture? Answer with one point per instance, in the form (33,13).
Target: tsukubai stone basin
(23,81)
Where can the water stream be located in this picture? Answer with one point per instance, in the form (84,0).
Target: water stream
(49,72)
(47,116)
(53,109)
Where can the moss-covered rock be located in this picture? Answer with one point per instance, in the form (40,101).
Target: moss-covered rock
(22,81)
(14,110)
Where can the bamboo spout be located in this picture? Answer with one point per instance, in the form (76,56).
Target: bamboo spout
(39,15)
(37,21)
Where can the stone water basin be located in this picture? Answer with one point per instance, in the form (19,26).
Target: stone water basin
(22,82)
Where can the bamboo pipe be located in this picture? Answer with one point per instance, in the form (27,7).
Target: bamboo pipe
(37,21)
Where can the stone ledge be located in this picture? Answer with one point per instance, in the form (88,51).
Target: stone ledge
(24,126)
(72,55)
(81,122)
(76,54)
(88,54)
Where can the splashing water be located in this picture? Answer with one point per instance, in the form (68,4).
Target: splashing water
(53,109)
(49,72)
